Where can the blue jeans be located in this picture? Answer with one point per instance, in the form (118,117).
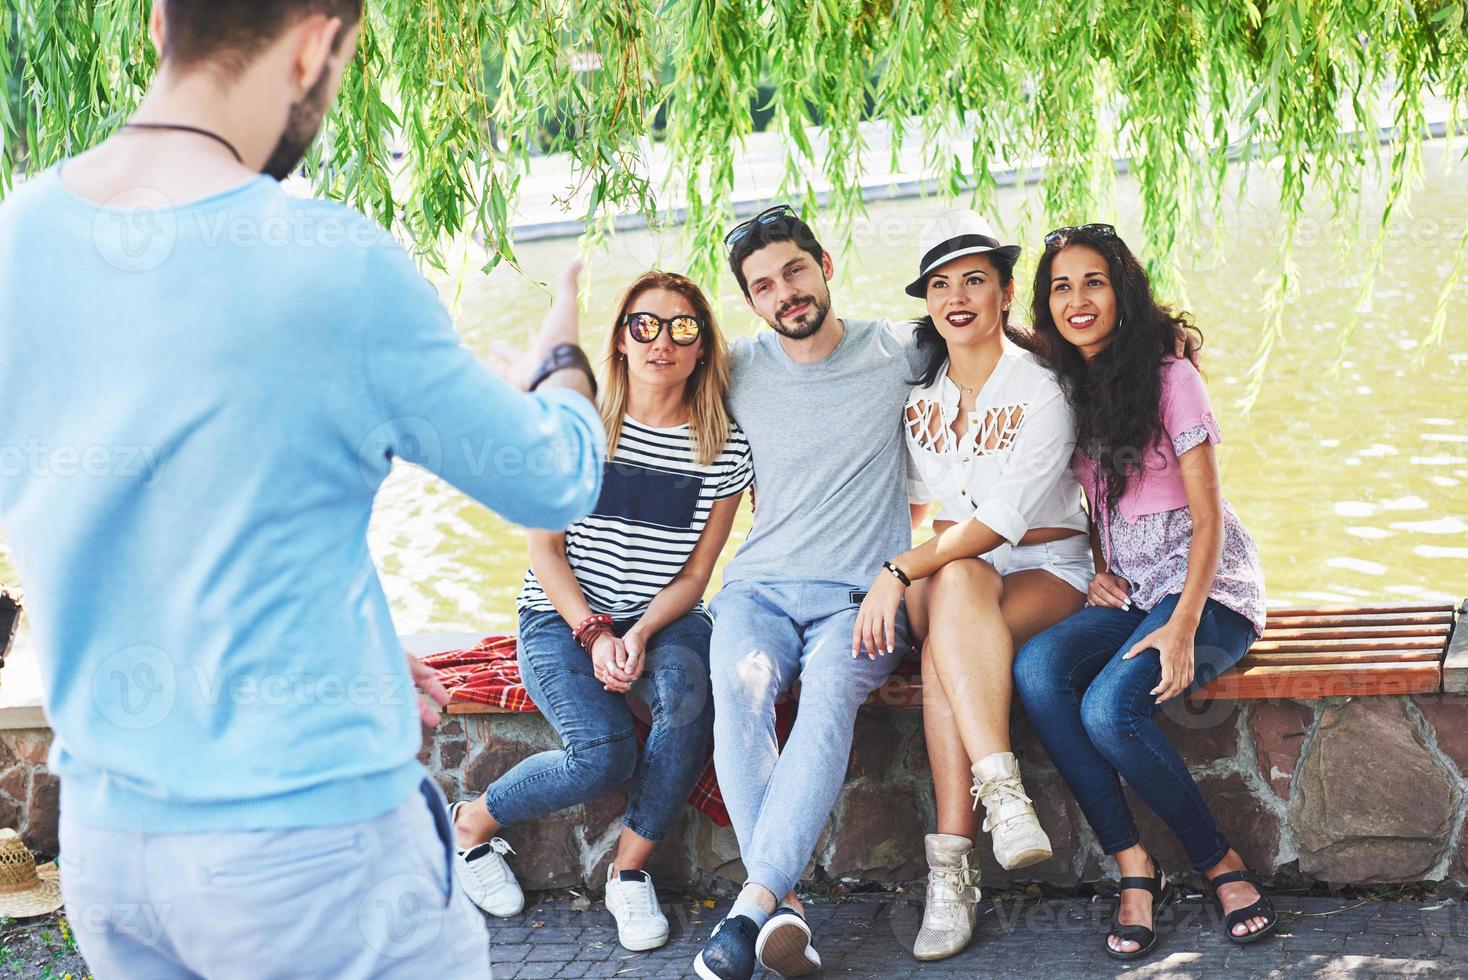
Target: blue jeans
(370,900)
(768,636)
(1093,712)
(599,745)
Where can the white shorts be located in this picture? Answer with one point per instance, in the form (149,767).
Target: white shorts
(1068,559)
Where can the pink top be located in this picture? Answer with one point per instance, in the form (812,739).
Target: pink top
(1158,486)
(1146,539)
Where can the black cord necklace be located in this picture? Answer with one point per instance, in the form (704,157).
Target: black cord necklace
(188,129)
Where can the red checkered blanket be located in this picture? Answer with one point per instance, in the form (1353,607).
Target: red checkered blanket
(489,674)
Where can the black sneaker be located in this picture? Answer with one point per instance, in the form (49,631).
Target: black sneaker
(729,953)
(784,945)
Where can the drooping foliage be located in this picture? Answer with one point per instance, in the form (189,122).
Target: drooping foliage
(449,101)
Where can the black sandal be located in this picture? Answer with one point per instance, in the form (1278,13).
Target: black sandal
(1262,909)
(1163,895)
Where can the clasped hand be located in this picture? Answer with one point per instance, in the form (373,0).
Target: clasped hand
(617,661)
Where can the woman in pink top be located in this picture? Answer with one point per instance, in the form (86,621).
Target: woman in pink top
(1178,596)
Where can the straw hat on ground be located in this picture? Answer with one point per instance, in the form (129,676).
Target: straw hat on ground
(25,889)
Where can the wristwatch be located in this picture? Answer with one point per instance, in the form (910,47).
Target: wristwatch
(562,357)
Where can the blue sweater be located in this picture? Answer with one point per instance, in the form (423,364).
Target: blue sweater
(199,404)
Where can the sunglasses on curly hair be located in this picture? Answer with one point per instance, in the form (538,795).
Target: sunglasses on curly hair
(645,327)
(768,216)
(1100,230)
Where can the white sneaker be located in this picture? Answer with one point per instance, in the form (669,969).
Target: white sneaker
(641,924)
(951,907)
(1009,816)
(486,876)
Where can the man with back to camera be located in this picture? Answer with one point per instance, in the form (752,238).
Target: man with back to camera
(820,399)
(236,728)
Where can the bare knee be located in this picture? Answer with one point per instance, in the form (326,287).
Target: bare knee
(969,581)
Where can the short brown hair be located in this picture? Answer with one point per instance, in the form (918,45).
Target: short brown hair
(235,31)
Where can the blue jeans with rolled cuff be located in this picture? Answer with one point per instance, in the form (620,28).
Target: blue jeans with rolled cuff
(599,744)
(1093,712)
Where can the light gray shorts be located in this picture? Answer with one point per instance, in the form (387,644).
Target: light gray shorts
(1068,559)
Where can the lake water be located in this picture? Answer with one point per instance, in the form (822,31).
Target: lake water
(1354,480)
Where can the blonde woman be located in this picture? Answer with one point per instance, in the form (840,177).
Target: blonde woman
(612,608)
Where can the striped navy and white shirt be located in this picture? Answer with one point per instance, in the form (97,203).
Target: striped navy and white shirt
(655,501)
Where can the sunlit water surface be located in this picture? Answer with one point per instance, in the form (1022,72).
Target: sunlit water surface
(1353,478)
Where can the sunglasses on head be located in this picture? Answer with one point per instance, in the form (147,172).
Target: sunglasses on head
(769,215)
(1101,230)
(645,327)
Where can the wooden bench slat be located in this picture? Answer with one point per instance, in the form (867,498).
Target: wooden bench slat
(1353,622)
(1360,632)
(1344,658)
(1346,646)
(1320,646)
(1310,683)
(1354,612)
(475,708)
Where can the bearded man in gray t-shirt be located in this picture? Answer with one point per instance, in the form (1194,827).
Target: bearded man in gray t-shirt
(820,399)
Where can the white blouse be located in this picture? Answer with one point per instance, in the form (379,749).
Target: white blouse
(1011,468)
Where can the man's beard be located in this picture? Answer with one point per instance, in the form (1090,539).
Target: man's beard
(301,128)
(808,322)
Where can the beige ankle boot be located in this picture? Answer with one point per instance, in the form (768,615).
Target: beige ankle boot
(952,905)
(1009,818)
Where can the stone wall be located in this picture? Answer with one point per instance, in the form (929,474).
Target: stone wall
(1345,791)
(30,796)
(1342,791)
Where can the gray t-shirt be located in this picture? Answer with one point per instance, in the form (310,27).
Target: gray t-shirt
(830,465)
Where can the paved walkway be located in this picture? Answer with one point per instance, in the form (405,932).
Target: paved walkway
(871,936)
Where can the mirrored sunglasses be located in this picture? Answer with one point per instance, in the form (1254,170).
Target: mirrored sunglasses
(645,327)
(1103,230)
(769,215)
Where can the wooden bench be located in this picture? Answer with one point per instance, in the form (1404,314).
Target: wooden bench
(1305,654)
(1323,652)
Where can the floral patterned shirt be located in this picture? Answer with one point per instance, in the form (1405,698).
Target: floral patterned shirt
(1152,553)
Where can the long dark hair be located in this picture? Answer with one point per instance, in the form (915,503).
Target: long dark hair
(1117,394)
(935,348)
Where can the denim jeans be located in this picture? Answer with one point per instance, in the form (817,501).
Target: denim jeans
(599,744)
(1093,712)
(768,636)
(372,899)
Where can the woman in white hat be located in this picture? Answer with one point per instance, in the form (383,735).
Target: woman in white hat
(989,435)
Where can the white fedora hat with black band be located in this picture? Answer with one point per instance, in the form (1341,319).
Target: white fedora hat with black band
(951,235)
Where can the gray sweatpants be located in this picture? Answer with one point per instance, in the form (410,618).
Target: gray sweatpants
(767,636)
